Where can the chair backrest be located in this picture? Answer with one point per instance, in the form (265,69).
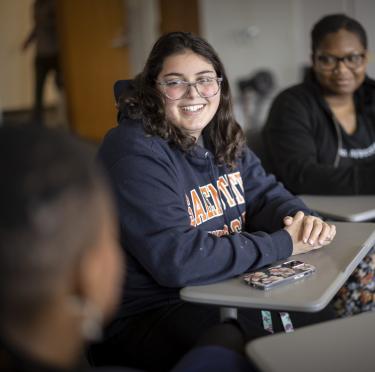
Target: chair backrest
(120,87)
(254,138)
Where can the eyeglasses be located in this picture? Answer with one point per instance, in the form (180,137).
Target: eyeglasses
(177,89)
(351,61)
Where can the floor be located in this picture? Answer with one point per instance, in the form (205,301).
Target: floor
(51,118)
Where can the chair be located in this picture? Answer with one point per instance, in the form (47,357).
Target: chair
(255,141)
(122,88)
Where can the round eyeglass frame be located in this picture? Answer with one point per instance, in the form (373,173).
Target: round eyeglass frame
(188,87)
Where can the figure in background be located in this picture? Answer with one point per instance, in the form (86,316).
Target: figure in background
(320,135)
(44,36)
(195,205)
(60,262)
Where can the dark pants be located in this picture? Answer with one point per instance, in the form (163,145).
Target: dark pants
(155,340)
(43,65)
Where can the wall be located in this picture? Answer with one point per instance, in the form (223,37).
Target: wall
(271,34)
(149,18)
(278,30)
(253,34)
(249,35)
(364,11)
(143,29)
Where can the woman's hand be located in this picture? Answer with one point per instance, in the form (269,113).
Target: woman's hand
(308,232)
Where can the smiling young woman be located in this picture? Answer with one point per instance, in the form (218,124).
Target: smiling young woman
(189,106)
(195,205)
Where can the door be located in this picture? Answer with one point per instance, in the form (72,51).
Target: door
(182,15)
(94,55)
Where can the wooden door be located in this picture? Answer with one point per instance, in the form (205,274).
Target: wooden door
(181,15)
(91,62)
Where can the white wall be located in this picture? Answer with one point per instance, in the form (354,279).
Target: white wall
(275,34)
(16,67)
(364,11)
(229,26)
(143,29)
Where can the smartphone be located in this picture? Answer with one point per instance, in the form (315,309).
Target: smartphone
(273,276)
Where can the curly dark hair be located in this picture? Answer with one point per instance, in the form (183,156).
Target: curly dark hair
(147,102)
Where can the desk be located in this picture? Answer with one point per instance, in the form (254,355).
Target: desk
(344,345)
(357,208)
(333,263)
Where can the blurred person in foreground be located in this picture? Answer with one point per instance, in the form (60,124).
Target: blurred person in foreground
(60,264)
(61,268)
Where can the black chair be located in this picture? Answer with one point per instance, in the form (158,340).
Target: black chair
(254,139)
(122,87)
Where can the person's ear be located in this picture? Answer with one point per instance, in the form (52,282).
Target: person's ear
(84,299)
(100,273)
(88,275)
(100,270)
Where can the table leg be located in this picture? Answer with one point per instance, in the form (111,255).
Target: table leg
(228,313)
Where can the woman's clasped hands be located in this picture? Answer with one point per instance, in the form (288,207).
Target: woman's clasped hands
(308,232)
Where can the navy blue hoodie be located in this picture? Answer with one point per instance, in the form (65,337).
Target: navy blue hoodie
(186,220)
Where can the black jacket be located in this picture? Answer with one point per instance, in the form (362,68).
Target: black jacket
(306,148)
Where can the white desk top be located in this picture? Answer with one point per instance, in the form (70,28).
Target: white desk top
(333,263)
(344,345)
(356,208)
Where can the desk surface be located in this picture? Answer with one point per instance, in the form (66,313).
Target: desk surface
(344,345)
(333,263)
(358,208)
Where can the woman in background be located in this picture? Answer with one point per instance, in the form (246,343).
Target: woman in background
(320,135)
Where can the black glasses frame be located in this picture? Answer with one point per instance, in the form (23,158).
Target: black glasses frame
(343,59)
